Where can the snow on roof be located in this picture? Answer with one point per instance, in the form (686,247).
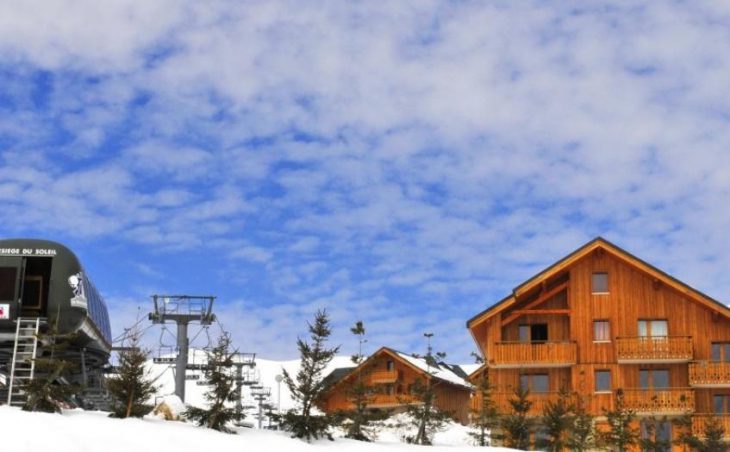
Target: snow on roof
(470,368)
(441,372)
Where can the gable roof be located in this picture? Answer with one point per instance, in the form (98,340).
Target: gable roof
(614,250)
(441,371)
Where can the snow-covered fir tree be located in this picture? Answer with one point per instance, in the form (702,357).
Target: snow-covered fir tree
(132,385)
(359,420)
(222,389)
(486,417)
(308,385)
(44,392)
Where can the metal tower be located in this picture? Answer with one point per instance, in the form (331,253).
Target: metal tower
(182,310)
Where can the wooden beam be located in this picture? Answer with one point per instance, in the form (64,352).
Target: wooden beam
(542,311)
(543,297)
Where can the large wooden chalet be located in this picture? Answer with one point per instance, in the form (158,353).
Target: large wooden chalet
(601,322)
(393,375)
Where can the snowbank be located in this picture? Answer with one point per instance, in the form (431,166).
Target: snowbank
(83,431)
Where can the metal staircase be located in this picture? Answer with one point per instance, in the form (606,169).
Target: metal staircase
(23,363)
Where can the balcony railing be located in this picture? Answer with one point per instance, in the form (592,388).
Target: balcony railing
(533,354)
(654,349)
(383,376)
(502,401)
(699,423)
(391,400)
(660,401)
(705,374)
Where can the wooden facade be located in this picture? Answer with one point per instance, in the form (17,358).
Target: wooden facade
(393,377)
(602,321)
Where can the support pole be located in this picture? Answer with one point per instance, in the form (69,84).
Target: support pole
(181,362)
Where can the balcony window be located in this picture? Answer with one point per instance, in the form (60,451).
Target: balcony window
(654,379)
(721,352)
(603,381)
(599,283)
(660,432)
(601,331)
(535,383)
(653,328)
(534,333)
(721,404)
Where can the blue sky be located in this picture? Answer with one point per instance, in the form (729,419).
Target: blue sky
(404,164)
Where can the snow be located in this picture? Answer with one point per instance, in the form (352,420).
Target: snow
(470,368)
(438,372)
(84,431)
(93,431)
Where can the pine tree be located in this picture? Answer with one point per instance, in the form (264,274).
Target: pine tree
(360,393)
(516,425)
(46,392)
(309,384)
(557,422)
(485,418)
(712,435)
(621,434)
(132,386)
(222,389)
(651,437)
(424,416)
(581,437)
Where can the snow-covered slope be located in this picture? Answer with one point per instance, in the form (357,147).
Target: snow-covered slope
(80,431)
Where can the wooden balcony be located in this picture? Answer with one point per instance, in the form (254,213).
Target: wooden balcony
(507,355)
(706,374)
(670,401)
(700,421)
(383,376)
(391,400)
(501,399)
(657,349)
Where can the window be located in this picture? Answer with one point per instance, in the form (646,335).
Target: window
(653,378)
(535,382)
(658,431)
(534,333)
(653,328)
(721,351)
(603,381)
(601,331)
(599,282)
(721,403)
(389,365)
(8,276)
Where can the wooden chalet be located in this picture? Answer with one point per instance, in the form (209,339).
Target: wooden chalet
(393,375)
(601,322)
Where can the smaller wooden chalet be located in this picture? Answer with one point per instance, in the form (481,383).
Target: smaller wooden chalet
(393,374)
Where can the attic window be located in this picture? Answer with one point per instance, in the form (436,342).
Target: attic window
(599,283)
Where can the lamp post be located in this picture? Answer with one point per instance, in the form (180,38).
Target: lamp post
(278,379)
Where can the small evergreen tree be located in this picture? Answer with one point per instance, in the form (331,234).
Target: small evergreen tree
(360,393)
(309,384)
(652,439)
(132,386)
(516,425)
(485,418)
(581,436)
(222,389)
(713,439)
(557,422)
(424,416)
(45,392)
(712,435)
(620,434)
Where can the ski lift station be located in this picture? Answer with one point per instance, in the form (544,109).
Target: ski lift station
(40,281)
